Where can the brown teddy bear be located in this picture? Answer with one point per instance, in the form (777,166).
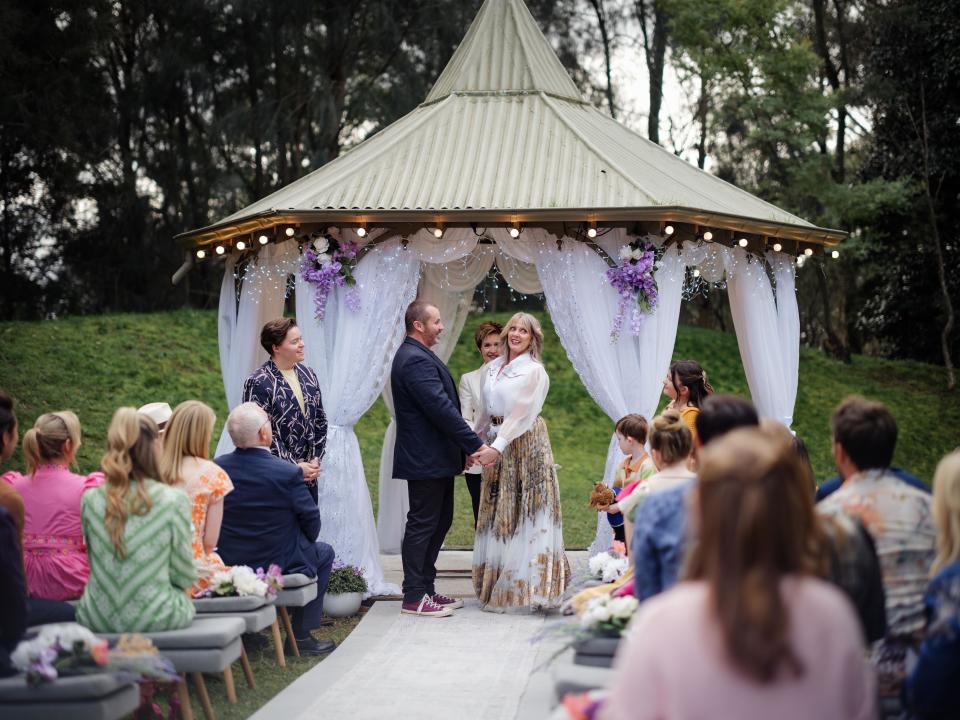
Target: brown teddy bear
(601,496)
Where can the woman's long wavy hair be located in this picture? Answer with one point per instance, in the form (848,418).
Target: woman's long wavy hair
(188,434)
(131,458)
(946,511)
(689,374)
(757,524)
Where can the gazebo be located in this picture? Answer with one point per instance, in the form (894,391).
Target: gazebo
(503,162)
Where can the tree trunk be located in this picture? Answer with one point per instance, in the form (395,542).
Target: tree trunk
(605,38)
(655,51)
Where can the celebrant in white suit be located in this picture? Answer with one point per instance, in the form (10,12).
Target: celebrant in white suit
(518,555)
(487,338)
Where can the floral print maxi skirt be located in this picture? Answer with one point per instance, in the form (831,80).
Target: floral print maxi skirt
(518,555)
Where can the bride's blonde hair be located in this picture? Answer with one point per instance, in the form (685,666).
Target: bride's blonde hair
(522,319)
(131,458)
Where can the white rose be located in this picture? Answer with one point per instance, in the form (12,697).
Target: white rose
(614,569)
(626,253)
(623,607)
(636,254)
(321,244)
(597,563)
(324,258)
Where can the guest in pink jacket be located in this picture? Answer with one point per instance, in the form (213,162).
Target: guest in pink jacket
(752,633)
(54,552)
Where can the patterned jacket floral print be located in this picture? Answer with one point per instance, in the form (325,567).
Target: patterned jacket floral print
(296,437)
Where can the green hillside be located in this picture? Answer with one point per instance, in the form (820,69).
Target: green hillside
(94,364)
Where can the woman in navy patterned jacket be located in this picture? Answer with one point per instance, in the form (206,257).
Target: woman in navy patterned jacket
(289,393)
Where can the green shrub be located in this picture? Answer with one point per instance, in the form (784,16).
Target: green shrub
(346,579)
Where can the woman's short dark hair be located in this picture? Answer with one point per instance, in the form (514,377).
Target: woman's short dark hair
(7,417)
(720,414)
(866,430)
(274,332)
(485,329)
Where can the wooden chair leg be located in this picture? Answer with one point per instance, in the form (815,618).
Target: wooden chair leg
(288,626)
(228,684)
(278,644)
(247,670)
(183,692)
(204,697)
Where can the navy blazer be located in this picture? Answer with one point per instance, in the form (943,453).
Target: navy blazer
(433,439)
(269,517)
(296,437)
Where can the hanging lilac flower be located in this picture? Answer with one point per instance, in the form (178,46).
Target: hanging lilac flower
(328,264)
(634,281)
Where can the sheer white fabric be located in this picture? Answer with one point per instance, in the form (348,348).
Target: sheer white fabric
(788,326)
(769,361)
(515,393)
(352,353)
(262,295)
(623,376)
(393,500)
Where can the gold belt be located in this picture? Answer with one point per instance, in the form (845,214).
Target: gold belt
(496,420)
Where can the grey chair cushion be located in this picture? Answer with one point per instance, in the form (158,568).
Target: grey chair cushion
(116,705)
(206,631)
(296,580)
(256,620)
(79,687)
(208,660)
(597,646)
(229,604)
(298,596)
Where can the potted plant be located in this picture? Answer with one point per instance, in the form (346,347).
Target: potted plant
(344,591)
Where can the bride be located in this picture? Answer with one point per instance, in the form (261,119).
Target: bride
(518,555)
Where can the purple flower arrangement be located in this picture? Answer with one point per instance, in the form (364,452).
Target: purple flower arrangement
(329,263)
(634,281)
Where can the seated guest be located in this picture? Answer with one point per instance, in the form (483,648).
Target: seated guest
(829,487)
(13,599)
(751,632)
(659,537)
(184,463)
(54,553)
(160,413)
(8,427)
(898,517)
(270,517)
(138,537)
(933,687)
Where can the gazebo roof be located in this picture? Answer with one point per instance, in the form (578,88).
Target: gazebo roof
(505,137)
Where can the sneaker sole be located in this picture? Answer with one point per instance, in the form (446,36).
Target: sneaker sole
(455,605)
(441,613)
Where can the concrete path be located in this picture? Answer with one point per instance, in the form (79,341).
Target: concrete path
(472,665)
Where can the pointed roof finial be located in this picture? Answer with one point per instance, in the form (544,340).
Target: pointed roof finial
(504,51)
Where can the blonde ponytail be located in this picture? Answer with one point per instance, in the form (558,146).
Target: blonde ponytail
(130,458)
(670,436)
(45,440)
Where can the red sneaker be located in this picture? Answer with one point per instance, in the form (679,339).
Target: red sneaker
(448,602)
(425,607)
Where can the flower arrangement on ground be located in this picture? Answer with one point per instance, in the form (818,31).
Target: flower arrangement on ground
(71,649)
(243,581)
(609,564)
(346,579)
(329,263)
(634,280)
(609,615)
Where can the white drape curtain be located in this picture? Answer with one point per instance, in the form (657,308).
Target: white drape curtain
(768,335)
(352,353)
(262,294)
(623,376)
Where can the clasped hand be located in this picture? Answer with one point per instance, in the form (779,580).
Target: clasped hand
(311,470)
(485,456)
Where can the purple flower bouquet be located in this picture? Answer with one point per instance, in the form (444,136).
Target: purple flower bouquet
(329,263)
(634,280)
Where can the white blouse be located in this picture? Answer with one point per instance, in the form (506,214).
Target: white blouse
(516,393)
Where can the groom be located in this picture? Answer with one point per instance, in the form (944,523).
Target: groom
(433,442)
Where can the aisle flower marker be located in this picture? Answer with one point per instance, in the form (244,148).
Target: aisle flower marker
(329,263)
(634,280)
(243,581)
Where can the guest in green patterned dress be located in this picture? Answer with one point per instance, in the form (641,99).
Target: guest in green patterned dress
(137,532)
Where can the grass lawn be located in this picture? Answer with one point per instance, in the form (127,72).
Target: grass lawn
(94,364)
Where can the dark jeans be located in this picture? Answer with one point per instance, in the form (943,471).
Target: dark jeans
(307,618)
(473,485)
(429,519)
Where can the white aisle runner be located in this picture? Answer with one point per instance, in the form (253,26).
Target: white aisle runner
(472,665)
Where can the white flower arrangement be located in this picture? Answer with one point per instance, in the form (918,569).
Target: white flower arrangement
(608,613)
(321,245)
(608,565)
(244,581)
